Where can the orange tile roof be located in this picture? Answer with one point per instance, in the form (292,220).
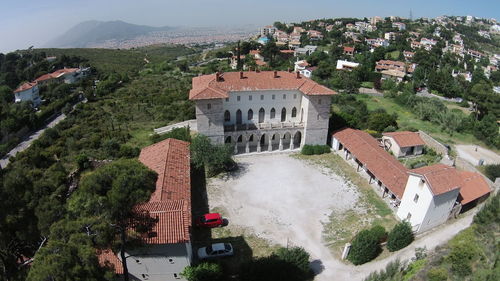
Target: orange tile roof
(473,186)
(348,49)
(439,177)
(25,86)
(109,259)
(56,74)
(380,163)
(206,86)
(406,138)
(170,160)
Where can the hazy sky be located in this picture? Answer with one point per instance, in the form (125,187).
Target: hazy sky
(34,22)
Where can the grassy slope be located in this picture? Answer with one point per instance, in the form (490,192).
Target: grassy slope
(407,119)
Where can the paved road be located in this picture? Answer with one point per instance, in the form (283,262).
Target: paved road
(29,139)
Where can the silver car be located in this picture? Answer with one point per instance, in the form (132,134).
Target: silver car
(215,250)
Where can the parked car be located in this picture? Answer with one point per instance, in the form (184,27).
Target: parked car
(215,250)
(210,220)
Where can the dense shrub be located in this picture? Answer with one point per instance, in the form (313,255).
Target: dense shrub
(489,214)
(400,236)
(214,158)
(365,246)
(203,272)
(391,272)
(308,149)
(492,171)
(284,265)
(437,274)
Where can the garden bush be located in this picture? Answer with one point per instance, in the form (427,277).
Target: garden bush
(203,272)
(437,274)
(492,171)
(400,236)
(365,246)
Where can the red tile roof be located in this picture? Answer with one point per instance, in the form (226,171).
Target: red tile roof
(109,259)
(206,86)
(473,186)
(349,49)
(25,86)
(406,138)
(56,74)
(439,177)
(380,163)
(170,160)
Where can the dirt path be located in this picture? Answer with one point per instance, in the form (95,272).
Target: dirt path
(474,153)
(285,200)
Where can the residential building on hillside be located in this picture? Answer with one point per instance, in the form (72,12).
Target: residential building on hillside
(28,92)
(404,143)
(306,50)
(167,248)
(408,55)
(375,20)
(349,51)
(314,35)
(391,36)
(427,43)
(267,30)
(346,65)
(475,54)
(377,42)
(261,110)
(66,75)
(399,25)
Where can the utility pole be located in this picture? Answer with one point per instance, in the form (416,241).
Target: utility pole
(238,59)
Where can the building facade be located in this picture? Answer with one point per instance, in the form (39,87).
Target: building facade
(28,92)
(261,111)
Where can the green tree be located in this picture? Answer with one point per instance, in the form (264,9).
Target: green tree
(379,120)
(109,195)
(365,247)
(400,236)
(203,272)
(296,256)
(214,158)
(270,52)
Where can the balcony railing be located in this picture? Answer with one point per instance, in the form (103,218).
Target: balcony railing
(262,126)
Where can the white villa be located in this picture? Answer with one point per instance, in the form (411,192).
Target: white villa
(28,92)
(261,110)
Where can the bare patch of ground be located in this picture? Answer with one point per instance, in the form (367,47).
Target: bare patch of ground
(473,154)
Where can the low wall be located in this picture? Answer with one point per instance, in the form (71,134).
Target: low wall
(437,146)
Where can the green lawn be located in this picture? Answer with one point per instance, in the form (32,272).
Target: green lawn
(367,84)
(407,119)
(394,55)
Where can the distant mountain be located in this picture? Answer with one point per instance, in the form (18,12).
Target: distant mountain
(91,33)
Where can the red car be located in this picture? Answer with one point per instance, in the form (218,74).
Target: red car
(210,220)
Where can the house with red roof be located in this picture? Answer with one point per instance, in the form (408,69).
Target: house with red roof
(426,197)
(167,249)
(403,144)
(432,192)
(257,111)
(28,92)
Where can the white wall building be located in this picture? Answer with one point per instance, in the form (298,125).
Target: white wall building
(429,197)
(343,64)
(261,111)
(28,92)
(403,143)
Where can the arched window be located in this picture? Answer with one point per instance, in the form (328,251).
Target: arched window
(240,139)
(250,114)
(227,116)
(228,140)
(238,117)
(294,112)
(283,115)
(273,113)
(262,113)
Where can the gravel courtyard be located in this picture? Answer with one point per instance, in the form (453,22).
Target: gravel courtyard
(284,200)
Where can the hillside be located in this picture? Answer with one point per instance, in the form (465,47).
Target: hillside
(90,33)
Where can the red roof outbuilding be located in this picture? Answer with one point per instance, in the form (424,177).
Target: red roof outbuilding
(406,138)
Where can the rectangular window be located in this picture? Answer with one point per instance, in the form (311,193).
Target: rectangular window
(238,98)
(294,96)
(249,97)
(227,99)
(415,199)
(261,97)
(408,217)
(319,101)
(274,96)
(284,96)
(209,106)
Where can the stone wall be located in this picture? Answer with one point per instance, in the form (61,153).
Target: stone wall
(434,144)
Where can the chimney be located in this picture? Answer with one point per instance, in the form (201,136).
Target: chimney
(257,70)
(241,75)
(298,74)
(217,76)
(275,74)
(289,70)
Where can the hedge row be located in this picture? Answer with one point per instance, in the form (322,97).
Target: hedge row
(315,149)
